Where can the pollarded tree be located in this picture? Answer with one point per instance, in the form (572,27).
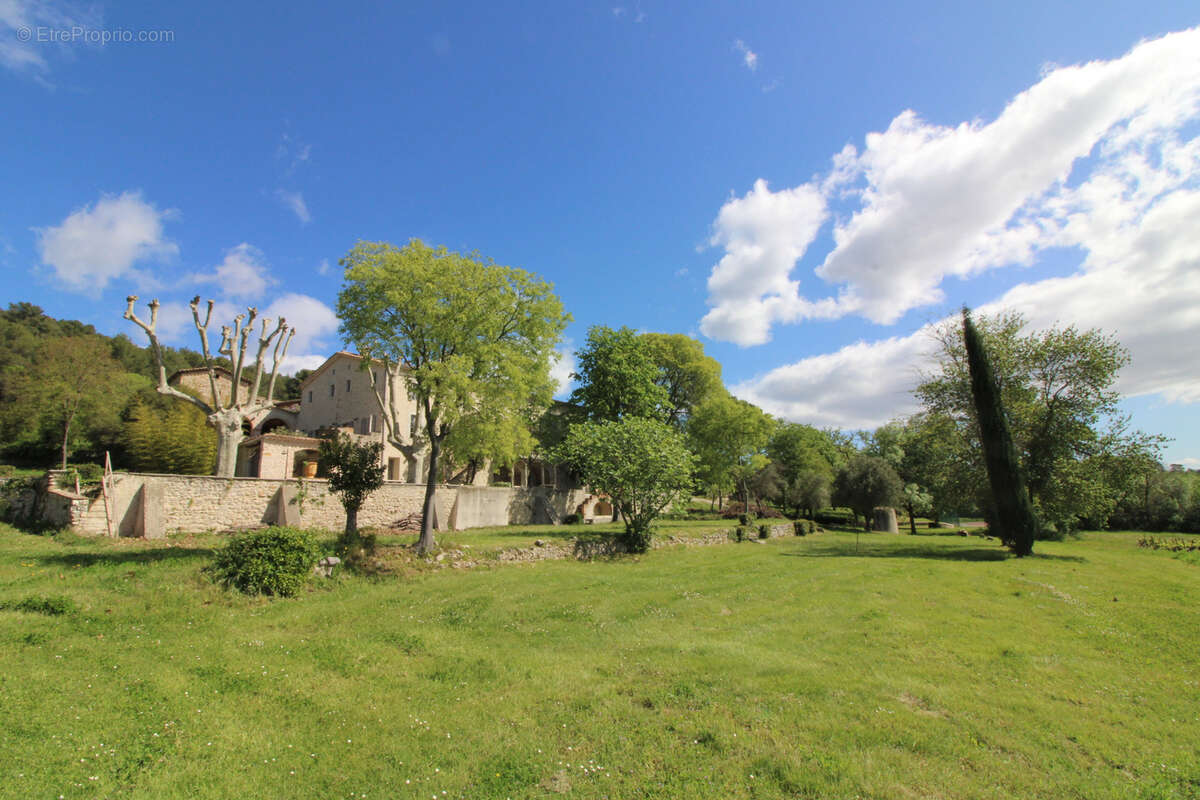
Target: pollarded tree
(864,483)
(354,473)
(468,339)
(225,411)
(642,464)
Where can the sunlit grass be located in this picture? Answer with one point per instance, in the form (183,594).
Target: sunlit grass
(921,667)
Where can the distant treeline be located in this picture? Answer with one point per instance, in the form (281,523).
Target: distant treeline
(63,385)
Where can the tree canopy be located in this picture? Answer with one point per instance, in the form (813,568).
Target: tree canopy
(618,376)
(642,464)
(864,483)
(686,375)
(1057,387)
(470,339)
(729,437)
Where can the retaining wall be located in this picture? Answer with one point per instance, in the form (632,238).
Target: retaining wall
(155,505)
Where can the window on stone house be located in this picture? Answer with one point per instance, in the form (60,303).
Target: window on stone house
(347,387)
(332,389)
(412,425)
(310,395)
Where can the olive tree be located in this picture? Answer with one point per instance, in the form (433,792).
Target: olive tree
(224,412)
(865,483)
(467,338)
(354,473)
(642,464)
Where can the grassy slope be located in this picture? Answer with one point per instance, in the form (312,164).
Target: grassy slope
(923,667)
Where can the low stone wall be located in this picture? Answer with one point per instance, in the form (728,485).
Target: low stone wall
(156,505)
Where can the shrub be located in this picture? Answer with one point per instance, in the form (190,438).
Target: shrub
(800,527)
(51,606)
(764,531)
(572,519)
(741,532)
(743,519)
(275,561)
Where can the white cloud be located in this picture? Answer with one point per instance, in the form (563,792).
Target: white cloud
(292,153)
(294,201)
(862,385)
(315,323)
(97,244)
(561,369)
(243,274)
(1141,282)
(1131,214)
(323,267)
(749,57)
(20,49)
(763,234)
(930,202)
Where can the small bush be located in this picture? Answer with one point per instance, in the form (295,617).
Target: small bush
(741,532)
(743,519)
(572,519)
(800,527)
(764,531)
(768,512)
(275,561)
(50,606)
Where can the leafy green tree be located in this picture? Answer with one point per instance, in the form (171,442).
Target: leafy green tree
(355,472)
(72,380)
(811,491)
(1056,387)
(937,459)
(470,339)
(168,438)
(686,375)
(1010,508)
(798,451)
(916,501)
(642,464)
(729,437)
(865,483)
(618,377)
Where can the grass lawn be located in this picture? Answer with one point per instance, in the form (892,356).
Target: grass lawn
(926,666)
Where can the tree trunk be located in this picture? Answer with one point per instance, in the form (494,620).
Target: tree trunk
(66,439)
(912,522)
(228,422)
(427,543)
(351,523)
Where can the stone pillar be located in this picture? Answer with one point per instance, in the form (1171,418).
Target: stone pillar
(885,520)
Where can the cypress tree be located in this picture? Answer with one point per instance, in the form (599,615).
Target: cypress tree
(1012,509)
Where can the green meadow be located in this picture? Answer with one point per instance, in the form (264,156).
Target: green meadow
(927,666)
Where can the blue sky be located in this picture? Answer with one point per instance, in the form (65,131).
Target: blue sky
(803,187)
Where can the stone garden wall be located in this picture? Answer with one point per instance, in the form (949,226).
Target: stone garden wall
(157,505)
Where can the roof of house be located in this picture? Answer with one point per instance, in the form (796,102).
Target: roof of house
(204,370)
(281,438)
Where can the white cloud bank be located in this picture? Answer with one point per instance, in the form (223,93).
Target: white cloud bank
(1094,157)
(99,243)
